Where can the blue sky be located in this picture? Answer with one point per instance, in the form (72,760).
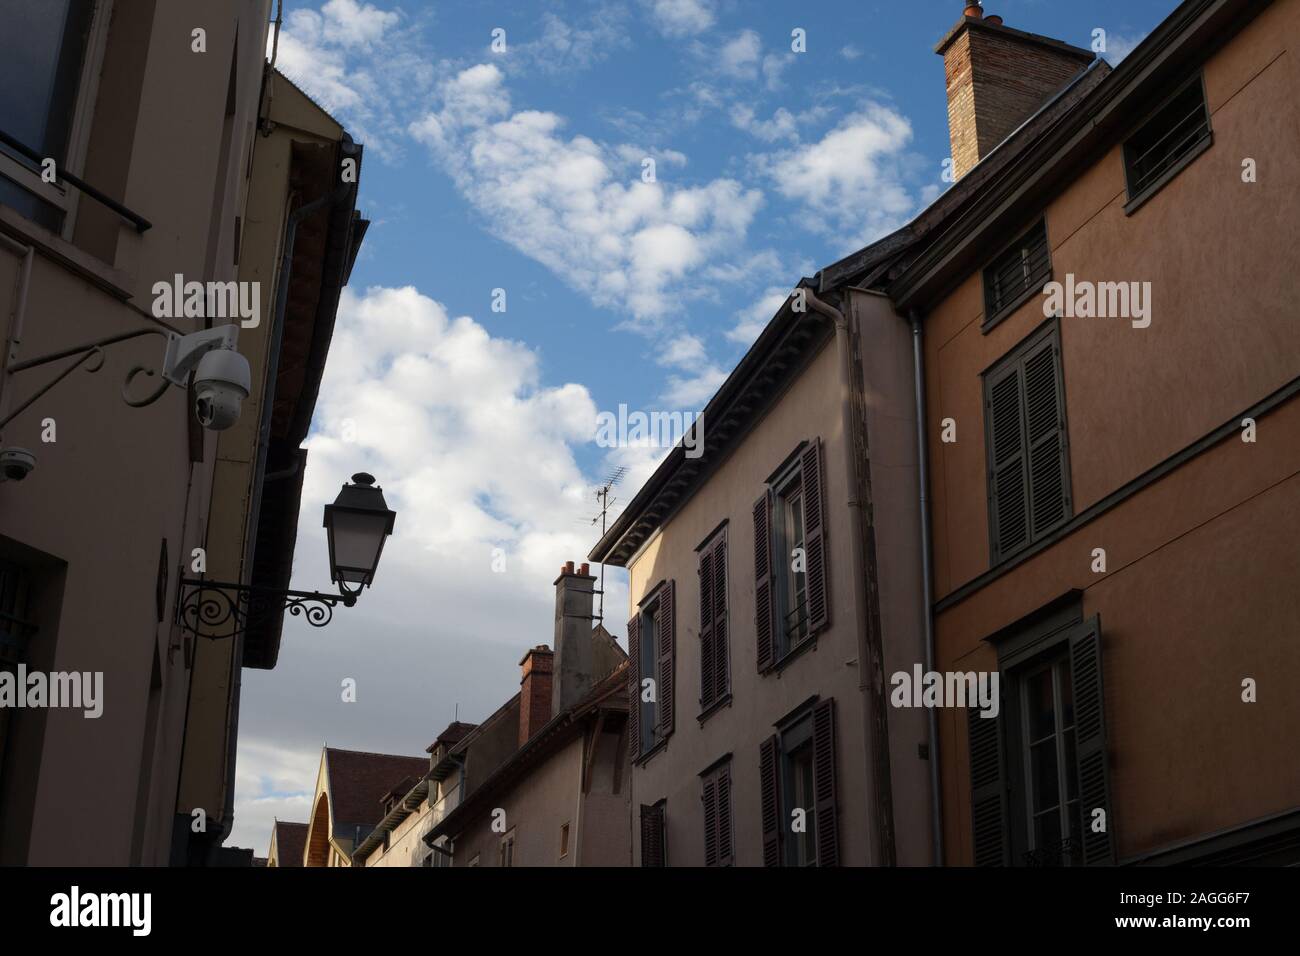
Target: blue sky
(522,170)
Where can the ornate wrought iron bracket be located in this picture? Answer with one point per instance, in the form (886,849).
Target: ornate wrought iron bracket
(218,609)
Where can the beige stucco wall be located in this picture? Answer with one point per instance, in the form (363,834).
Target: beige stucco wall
(809,409)
(119,480)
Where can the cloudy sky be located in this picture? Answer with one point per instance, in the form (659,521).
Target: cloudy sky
(517,177)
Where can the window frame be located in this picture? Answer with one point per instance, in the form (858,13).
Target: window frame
(707,551)
(713,775)
(786,585)
(1050,329)
(61,196)
(506,849)
(800,727)
(993,318)
(649,611)
(1134,201)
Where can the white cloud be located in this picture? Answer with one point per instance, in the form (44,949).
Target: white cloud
(850,52)
(739,57)
(1119,45)
(563,49)
(362,64)
(693,391)
(752,319)
(851,181)
(562,200)
(783,124)
(679,18)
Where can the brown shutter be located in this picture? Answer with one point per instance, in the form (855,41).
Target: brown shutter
(652,835)
(1049,481)
(667,627)
(815,538)
(827,836)
(708,690)
(721,650)
(726,855)
(769,796)
(988,787)
(634,684)
(1090,742)
(1008,482)
(711,820)
(764,607)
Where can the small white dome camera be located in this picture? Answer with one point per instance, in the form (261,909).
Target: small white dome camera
(221,383)
(16,463)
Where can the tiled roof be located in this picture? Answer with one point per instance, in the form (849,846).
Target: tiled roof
(454,732)
(290,838)
(359,780)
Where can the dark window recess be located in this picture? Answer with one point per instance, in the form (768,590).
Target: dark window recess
(1176,131)
(797,791)
(1040,793)
(1026,445)
(791,589)
(718,848)
(654,851)
(715,664)
(650,647)
(1017,273)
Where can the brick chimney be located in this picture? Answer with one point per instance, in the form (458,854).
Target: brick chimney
(997,78)
(573,624)
(535,691)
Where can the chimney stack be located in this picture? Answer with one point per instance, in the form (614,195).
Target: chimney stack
(997,78)
(535,691)
(574,593)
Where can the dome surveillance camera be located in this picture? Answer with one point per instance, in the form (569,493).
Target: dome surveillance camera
(16,463)
(221,383)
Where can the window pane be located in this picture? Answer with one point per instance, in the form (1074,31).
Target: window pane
(649,669)
(1071,777)
(1043,770)
(41,51)
(1067,695)
(1041,717)
(1047,831)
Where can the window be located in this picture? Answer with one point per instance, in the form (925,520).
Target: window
(1016,274)
(792,603)
(715,654)
(1039,780)
(507,849)
(718,849)
(1026,446)
(797,790)
(654,834)
(650,643)
(1177,133)
(48,57)
(564,841)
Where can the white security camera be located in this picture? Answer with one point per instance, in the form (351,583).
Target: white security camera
(220,384)
(16,463)
(221,380)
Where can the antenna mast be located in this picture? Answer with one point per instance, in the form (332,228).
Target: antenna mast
(602,495)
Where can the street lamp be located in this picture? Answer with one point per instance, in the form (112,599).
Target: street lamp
(356,524)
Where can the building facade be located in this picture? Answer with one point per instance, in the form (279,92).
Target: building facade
(1110,361)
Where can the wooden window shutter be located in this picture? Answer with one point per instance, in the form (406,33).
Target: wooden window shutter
(721,649)
(1049,487)
(815,537)
(1028,450)
(764,606)
(634,683)
(711,820)
(726,853)
(667,628)
(1090,743)
(708,668)
(1008,484)
(988,789)
(769,795)
(652,835)
(824,786)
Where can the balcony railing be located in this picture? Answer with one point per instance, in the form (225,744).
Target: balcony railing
(141,224)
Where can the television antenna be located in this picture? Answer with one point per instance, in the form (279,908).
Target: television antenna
(602,495)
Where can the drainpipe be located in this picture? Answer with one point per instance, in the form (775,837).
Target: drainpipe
(927,611)
(877,849)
